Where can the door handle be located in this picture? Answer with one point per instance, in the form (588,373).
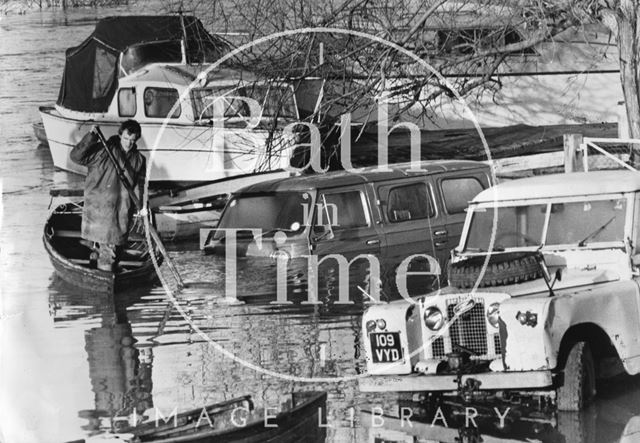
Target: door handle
(440,233)
(373,242)
(440,243)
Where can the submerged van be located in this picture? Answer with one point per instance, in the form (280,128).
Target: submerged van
(390,215)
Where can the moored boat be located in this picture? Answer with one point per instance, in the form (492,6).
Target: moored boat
(71,257)
(184,222)
(196,122)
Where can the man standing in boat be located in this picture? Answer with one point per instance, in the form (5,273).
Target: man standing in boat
(108,209)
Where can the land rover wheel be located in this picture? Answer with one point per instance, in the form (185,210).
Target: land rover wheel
(503,269)
(579,386)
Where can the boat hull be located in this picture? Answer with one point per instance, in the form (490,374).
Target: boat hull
(62,241)
(175,152)
(185,225)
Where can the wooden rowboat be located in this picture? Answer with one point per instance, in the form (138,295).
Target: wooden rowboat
(71,258)
(234,421)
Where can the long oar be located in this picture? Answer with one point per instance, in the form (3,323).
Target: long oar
(138,205)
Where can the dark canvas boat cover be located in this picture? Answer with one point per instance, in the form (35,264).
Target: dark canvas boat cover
(92,69)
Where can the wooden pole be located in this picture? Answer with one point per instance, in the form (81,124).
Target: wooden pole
(138,204)
(571,152)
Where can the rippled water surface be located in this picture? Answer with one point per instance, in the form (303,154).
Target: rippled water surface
(70,359)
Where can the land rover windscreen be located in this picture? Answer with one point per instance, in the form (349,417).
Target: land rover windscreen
(567,224)
(502,241)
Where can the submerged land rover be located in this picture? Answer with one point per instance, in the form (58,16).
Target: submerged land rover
(544,296)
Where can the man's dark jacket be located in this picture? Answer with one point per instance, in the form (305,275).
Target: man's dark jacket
(108,209)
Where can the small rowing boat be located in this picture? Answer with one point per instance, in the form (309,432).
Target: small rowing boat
(71,256)
(300,419)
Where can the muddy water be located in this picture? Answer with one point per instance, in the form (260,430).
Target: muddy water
(70,360)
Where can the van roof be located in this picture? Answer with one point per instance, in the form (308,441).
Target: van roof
(366,175)
(563,185)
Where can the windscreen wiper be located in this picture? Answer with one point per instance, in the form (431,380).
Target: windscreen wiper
(596,232)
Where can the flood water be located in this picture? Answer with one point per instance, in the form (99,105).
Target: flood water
(70,359)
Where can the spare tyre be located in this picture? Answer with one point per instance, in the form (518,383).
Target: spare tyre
(502,269)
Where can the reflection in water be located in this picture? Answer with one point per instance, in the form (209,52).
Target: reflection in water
(614,418)
(120,372)
(126,333)
(131,334)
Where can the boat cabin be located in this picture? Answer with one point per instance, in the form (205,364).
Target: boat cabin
(200,122)
(196,95)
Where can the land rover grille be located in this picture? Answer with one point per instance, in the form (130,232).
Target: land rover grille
(469,331)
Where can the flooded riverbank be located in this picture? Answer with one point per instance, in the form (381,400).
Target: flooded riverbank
(71,359)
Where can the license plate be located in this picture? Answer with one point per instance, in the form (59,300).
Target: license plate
(385,347)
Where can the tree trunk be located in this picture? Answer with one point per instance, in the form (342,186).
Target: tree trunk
(627,21)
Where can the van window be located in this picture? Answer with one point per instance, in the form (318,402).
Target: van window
(458,192)
(282,211)
(127,102)
(345,210)
(159,101)
(410,202)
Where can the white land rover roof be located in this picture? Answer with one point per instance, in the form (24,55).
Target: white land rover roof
(563,185)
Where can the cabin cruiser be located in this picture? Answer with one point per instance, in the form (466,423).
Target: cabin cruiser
(196,117)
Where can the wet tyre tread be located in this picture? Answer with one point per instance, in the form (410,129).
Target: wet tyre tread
(579,369)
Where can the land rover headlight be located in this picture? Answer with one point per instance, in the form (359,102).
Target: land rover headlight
(493,314)
(433,318)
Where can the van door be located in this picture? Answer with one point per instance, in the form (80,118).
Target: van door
(412,224)
(344,225)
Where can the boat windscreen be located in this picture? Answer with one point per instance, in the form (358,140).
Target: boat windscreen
(276,100)
(213,102)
